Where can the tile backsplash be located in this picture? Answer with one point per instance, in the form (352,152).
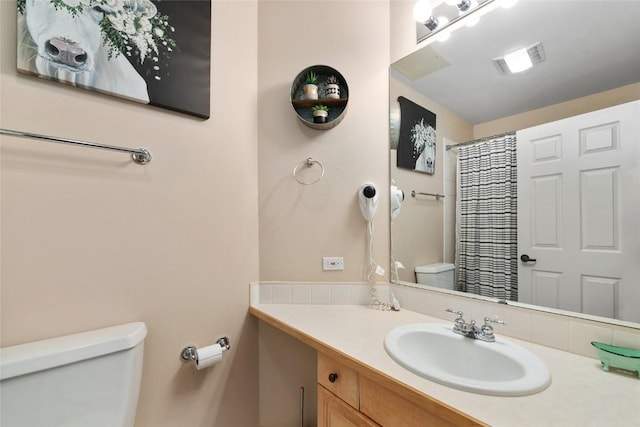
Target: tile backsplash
(552,330)
(311,293)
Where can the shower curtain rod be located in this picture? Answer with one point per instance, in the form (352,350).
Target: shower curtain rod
(141,156)
(475,141)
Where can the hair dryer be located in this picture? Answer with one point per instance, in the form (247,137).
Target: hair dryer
(368,200)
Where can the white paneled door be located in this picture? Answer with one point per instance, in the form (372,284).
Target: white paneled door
(579,213)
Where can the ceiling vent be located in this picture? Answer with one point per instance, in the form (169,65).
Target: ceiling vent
(535,53)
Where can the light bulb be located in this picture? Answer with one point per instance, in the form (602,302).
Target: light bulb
(452,2)
(443,35)
(422,11)
(469,21)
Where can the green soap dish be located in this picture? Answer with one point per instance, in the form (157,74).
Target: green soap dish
(613,356)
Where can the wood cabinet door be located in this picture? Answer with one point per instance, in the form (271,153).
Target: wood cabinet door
(333,412)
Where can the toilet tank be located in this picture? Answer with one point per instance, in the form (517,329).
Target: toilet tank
(86,379)
(439,275)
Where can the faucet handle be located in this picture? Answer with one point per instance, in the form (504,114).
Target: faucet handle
(487,330)
(460,326)
(488,321)
(459,313)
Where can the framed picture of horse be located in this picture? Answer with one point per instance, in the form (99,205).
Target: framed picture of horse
(155,52)
(417,138)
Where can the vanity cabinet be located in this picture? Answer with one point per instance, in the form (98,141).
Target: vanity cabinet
(350,396)
(339,395)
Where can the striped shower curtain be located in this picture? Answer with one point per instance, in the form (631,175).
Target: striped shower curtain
(486,219)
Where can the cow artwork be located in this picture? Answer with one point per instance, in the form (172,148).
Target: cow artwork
(118,47)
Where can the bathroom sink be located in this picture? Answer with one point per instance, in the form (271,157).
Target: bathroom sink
(435,352)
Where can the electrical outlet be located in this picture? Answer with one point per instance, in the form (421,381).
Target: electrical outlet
(332,263)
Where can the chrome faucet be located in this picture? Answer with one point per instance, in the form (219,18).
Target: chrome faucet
(470,330)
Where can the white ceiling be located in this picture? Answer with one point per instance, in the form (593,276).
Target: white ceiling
(590,46)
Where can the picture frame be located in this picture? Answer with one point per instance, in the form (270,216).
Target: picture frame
(416,149)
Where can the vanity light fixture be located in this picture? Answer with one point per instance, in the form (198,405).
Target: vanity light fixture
(422,12)
(467,11)
(467,6)
(464,6)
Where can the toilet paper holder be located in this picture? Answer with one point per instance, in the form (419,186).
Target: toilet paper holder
(190,354)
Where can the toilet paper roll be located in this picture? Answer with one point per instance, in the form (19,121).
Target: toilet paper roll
(208,356)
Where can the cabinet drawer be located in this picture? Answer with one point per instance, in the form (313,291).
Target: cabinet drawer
(389,409)
(338,379)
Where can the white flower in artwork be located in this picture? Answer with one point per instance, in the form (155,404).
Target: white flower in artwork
(117,21)
(130,25)
(145,25)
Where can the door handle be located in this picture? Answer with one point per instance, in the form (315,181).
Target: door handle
(526,258)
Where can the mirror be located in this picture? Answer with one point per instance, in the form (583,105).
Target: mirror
(591,52)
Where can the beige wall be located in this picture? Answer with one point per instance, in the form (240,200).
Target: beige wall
(418,232)
(90,239)
(559,111)
(403,29)
(300,224)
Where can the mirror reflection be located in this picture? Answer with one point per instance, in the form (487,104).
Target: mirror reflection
(537,200)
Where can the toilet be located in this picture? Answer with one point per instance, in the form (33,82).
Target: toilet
(439,275)
(86,379)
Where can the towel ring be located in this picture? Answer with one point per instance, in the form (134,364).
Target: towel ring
(309,163)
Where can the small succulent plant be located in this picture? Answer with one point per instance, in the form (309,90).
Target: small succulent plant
(319,107)
(332,80)
(312,78)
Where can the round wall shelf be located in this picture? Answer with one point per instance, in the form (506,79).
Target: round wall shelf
(335,97)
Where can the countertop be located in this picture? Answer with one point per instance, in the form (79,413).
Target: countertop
(580,394)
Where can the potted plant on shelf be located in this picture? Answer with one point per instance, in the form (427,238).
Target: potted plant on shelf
(332,88)
(310,89)
(320,113)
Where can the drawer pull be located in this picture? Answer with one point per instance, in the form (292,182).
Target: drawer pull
(333,377)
